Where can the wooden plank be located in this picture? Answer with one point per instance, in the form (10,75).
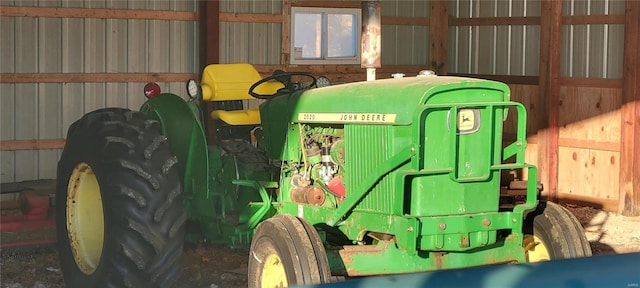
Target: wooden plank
(251,17)
(11,11)
(590,114)
(409,21)
(592,19)
(529,96)
(438,37)
(571,143)
(588,172)
(535,20)
(589,144)
(493,21)
(591,82)
(16,145)
(319,69)
(94,77)
(549,82)
(509,79)
(327,4)
(629,200)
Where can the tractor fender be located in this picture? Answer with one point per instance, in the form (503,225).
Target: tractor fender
(181,124)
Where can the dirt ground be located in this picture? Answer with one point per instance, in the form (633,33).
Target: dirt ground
(214,266)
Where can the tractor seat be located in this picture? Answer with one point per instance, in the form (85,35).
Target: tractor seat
(230,82)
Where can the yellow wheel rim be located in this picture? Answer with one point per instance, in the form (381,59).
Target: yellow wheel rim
(85,218)
(273,274)
(535,249)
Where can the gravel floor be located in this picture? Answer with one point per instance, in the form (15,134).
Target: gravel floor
(215,266)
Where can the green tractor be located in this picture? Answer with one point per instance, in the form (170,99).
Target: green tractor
(368,178)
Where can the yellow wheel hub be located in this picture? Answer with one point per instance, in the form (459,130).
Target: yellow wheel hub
(535,249)
(273,274)
(85,218)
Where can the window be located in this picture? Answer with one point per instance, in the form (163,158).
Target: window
(325,35)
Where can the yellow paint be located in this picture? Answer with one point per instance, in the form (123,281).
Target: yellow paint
(466,120)
(228,82)
(238,117)
(85,218)
(273,274)
(535,249)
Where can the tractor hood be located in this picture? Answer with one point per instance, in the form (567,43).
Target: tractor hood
(387,101)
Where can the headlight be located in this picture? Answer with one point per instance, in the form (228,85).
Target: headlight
(322,82)
(193,89)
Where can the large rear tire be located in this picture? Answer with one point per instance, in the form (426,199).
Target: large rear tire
(552,233)
(119,214)
(285,251)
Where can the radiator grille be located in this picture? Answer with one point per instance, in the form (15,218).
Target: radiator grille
(366,147)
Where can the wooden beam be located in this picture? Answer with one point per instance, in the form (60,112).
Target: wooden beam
(52,12)
(251,17)
(439,33)
(209,32)
(629,200)
(591,82)
(491,21)
(535,20)
(345,69)
(209,49)
(327,4)
(592,19)
(94,77)
(589,144)
(509,79)
(409,21)
(279,18)
(548,133)
(42,144)
(286,31)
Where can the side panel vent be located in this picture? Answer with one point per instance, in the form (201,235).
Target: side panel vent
(366,147)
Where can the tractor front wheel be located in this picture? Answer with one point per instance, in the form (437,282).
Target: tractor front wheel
(552,232)
(119,214)
(285,251)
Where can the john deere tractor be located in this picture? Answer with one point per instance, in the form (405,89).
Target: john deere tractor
(368,178)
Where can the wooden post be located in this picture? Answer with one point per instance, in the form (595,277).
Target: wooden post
(439,33)
(209,32)
(549,83)
(629,202)
(286,30)
(209,47)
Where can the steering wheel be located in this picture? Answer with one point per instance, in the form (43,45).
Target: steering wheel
(284,78)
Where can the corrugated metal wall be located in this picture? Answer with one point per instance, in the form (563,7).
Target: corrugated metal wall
(592,50)
(588,50)
(81,45)
(501,50)
(257,43)
(404,44)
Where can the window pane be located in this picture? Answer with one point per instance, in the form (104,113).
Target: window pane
(341,37)
(308,36)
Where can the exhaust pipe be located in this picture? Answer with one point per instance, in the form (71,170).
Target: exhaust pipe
(371,42)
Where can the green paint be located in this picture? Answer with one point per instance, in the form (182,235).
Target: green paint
(419,158)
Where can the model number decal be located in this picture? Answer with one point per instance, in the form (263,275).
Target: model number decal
(346,118)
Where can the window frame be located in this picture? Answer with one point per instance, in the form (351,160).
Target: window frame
(325,59)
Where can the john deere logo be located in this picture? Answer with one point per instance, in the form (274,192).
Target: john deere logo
(468,121)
